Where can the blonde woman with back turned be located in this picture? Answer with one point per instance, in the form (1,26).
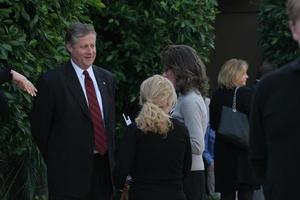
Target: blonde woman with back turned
(155,149)
(233,171)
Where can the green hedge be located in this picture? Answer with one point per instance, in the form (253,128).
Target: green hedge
(131,35)
(276,40)
(31,41)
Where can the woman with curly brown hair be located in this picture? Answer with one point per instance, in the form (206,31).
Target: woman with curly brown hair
(187,72)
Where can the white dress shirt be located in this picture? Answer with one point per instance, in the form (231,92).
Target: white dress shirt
(81,77)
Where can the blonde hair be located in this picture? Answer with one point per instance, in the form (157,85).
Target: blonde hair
(155,93)
(293,9)
(230,71)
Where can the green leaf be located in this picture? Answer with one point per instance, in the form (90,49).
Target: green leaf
(5,12)
(25,15)
(6,47)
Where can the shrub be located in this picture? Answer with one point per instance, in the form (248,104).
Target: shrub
(31,41)
(131,35)
(276,40)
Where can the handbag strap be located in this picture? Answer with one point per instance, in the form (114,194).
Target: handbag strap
(234,100)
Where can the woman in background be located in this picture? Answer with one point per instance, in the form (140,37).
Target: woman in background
(187,72)
(233,171)
(155,150)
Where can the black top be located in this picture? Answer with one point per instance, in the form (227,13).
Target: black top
(153,160)
(5,76)
(232,166)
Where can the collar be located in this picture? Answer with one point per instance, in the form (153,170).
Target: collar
(79,70)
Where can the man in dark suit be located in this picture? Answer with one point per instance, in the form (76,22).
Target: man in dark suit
(73,120)
(275,127)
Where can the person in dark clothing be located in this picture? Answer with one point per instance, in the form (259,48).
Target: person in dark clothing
(262,72)
(73,121)
(233,171)
(274,124)
(18,79)
(156,149)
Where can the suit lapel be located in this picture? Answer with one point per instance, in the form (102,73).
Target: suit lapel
(102,85)
(76,90)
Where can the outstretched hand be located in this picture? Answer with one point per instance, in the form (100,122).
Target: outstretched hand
(23,83)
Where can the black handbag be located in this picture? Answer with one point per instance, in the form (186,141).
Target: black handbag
(234,125)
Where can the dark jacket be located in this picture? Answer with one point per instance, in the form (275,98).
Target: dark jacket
(275,132)
(232,164)
(157,163)
(62,128)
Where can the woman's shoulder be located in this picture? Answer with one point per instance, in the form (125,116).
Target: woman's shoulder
(222,93)
(179,126)
(244,92)
(244,89)
(132,129)
(192,98)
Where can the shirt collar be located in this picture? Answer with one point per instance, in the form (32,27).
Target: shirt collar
(79,71)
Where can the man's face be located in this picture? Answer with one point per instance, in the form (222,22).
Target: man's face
(295,28)
(83,52)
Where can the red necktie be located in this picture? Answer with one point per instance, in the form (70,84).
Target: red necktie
(99,130)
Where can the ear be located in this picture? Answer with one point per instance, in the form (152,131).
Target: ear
(69,48)
(293,30)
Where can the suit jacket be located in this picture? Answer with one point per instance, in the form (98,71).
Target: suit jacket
(62,128)
(275,132)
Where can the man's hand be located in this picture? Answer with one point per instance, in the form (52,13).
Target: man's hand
(23,83)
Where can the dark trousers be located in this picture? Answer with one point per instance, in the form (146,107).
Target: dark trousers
(242,195)
(194,185)
(101,188)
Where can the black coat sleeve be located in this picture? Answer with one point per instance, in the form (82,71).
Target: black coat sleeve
(5,76)
(258,145)
(125,157)
(42,115)
(4,109)
(188,155)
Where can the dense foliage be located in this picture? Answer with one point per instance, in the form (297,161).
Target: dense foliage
(276,40)
(130,36)
(31,41)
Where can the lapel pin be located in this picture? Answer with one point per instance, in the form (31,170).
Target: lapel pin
(104,83)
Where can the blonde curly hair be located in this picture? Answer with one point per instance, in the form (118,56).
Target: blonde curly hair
(156,93)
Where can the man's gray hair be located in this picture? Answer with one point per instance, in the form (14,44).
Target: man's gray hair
(293,9)
(78,30)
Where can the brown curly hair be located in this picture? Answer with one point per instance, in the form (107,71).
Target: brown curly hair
(188,68)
